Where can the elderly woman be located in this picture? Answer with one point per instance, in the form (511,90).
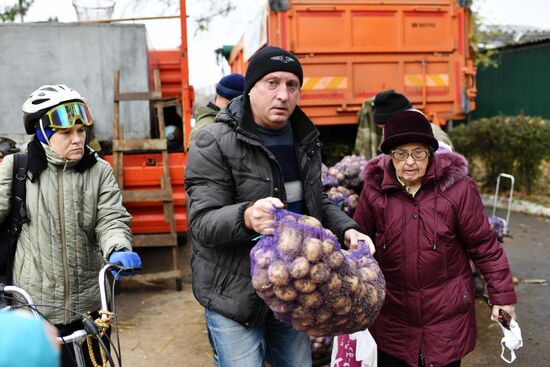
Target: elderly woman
(427,220)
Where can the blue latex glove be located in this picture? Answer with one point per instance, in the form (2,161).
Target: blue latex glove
(128,259)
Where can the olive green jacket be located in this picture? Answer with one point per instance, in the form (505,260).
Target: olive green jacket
(76,220)
(204,116)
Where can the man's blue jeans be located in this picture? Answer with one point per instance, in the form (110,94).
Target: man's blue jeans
(273,341)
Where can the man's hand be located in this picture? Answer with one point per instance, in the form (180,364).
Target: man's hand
(352,237)
(259,216)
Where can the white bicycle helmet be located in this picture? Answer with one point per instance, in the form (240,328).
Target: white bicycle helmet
(43,99)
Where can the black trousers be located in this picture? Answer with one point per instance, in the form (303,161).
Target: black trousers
(386,360)
(68,358)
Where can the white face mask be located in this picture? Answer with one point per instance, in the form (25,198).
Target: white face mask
(512,340)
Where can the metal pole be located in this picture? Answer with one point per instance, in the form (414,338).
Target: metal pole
(186,88)
(158,17)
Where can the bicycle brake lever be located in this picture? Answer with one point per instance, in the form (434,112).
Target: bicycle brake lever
(131,269)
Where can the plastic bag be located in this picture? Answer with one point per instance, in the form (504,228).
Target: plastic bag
(308,281)
(356,350)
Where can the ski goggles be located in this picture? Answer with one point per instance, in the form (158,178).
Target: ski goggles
(67,114)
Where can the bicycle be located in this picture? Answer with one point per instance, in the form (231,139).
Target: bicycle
(91,328)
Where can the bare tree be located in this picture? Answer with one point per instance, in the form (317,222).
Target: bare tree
(203,12)
(217,8)
(9,13)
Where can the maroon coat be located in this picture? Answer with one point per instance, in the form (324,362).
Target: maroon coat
(423,245)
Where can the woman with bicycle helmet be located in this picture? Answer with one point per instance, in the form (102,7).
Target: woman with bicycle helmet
(77,220)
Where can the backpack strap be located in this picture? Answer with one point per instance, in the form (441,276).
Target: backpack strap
(18,211)
(19,190)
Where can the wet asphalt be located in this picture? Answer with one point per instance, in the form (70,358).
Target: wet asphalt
(528,252)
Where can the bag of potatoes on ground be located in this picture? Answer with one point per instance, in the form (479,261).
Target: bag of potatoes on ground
(308,281)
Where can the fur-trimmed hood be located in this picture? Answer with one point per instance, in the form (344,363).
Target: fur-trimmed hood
(445,169)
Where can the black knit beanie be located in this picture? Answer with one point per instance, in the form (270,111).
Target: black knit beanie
(267,60)
(408,127)
(387,103)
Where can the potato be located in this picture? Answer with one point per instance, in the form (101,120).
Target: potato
(301,325)
(299,268)
(289,218)
(372,294)
(344,310)
(285,293)
(352,282)
(339,302)
(368,273)
(328,234)
(323,315)
(266,294)
(263,257)
(328,246)
(311,300)
(260,280)
(301,313)
(312,249)
(366,261)
(361,291)
(349,266)
(333,284)
(276,305)
(310,221)
(307,321)
(278,273)
(304,285)
(335,260)
(290,241)
(339,320)
(319,273)
(361,319)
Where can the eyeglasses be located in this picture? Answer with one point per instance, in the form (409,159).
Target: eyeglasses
(67,114)
(401,155)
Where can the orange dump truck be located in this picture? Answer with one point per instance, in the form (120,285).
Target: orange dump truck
(352,49)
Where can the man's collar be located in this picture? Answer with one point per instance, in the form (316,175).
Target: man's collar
(213,106)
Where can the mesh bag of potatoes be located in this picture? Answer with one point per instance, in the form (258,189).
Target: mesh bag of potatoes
(308,281)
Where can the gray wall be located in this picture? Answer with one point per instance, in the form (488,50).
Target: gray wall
(82,56)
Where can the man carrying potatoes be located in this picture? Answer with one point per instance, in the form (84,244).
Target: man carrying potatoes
(261,153)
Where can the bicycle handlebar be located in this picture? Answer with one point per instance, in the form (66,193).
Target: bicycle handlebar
(75,337)
(79,334)
(102,293)
(16,290)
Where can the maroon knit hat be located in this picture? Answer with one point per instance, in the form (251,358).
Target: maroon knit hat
(407,127)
